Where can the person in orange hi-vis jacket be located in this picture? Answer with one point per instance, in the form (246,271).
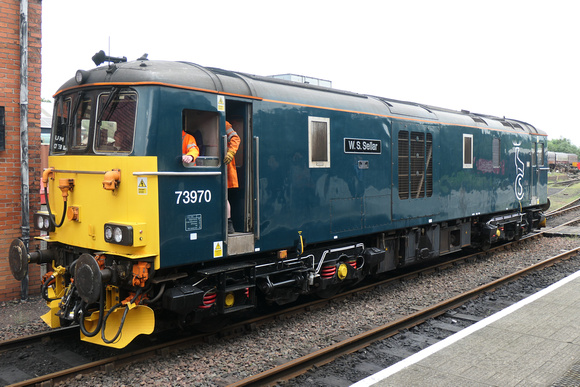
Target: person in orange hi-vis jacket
(233,145)
(189,149)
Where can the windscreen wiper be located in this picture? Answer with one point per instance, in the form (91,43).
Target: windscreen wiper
(114,93)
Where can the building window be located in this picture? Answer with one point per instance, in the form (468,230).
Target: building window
(496,152)
(319,142)
(467,151)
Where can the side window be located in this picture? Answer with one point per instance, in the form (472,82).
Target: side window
(204,128)
(467,151)
(496,153)
(60,125)
(541,159)
(116,122)
(319,142)
(534,154)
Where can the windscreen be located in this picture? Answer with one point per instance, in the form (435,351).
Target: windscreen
(94,121)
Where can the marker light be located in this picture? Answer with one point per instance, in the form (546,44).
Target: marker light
(81,76)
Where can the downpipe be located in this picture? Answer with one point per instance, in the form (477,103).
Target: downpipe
(24,170)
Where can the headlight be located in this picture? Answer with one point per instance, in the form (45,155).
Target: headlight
(42,222)
(120,234)
(108,233)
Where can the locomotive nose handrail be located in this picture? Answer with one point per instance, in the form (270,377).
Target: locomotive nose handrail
(79,171)
(143,173)
(215,173)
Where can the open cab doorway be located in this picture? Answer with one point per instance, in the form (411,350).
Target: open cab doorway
(241,198)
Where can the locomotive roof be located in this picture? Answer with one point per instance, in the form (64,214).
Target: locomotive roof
(193,76)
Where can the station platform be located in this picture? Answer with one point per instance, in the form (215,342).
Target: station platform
(535,342)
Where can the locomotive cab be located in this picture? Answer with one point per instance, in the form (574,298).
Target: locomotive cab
(123,209)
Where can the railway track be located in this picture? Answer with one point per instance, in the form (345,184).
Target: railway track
(323,356)
(106,363)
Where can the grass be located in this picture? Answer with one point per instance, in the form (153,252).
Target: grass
(554,177)
(565,195)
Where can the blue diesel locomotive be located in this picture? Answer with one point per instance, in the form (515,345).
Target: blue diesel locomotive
(334,186)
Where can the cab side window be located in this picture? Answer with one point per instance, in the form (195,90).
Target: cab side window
(204,127)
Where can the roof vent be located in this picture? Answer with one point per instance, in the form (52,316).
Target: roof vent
(478,119)
(304,79)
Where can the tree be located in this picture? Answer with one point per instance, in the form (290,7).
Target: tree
(563,145)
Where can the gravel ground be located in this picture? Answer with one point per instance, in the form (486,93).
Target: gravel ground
(228,360)
(21,318)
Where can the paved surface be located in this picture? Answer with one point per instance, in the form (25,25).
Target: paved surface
(564,231)
(535,342)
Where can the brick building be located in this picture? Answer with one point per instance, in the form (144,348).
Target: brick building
(10,113)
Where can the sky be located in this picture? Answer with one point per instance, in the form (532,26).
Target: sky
(508,58)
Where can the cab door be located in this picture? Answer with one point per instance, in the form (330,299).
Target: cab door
(241,198)
(191,197)
(542,173)
(534,174)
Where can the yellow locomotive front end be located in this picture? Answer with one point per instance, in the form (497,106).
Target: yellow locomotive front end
(100,224)
(104,209)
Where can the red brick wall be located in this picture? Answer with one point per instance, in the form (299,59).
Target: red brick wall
(10,175)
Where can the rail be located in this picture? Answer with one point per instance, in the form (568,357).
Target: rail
(323,356)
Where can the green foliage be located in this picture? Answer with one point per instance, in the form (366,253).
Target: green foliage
(563,145)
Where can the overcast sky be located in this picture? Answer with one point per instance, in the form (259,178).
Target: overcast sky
(517,59)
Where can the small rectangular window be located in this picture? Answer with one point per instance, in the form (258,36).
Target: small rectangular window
(204,127)
(496,152)
(535,154)
(319,142)
(467,151)
(541,159)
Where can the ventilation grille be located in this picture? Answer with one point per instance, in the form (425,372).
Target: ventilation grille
(415,165)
